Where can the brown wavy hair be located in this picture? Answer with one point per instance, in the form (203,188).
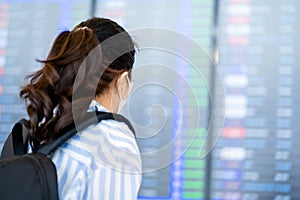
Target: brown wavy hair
(49,96)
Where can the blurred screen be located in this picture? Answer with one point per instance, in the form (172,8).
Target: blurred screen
(257,155)
(27,29)
(214,101)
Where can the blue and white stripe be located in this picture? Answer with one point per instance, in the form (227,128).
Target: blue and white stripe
(101,162)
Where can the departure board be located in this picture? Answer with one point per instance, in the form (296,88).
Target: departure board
(252,44)
(27,29)
(169,94)
(257,155)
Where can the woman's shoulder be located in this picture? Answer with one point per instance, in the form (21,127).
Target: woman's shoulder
(107,144)
(113,144)
(114,131)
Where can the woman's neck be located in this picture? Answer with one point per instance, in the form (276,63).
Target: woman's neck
(108,101)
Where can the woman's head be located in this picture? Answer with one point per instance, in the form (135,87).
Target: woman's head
(49,94)
(118,51)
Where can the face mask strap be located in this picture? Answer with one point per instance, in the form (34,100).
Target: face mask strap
(122,101)
(130,85)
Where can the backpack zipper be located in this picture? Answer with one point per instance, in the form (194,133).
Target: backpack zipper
(41,172)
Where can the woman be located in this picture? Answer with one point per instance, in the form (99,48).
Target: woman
(102,161)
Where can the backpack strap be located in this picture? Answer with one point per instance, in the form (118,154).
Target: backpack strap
(17,141)
(19,137)
(89,119)
(14,144)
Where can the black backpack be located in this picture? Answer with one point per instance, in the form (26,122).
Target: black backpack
(33,176)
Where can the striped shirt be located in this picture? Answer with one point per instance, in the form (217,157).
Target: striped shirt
(100,162)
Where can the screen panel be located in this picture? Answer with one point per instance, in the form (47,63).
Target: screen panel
(27,29)
(257,156)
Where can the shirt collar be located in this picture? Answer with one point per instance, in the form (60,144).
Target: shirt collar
(95,106)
